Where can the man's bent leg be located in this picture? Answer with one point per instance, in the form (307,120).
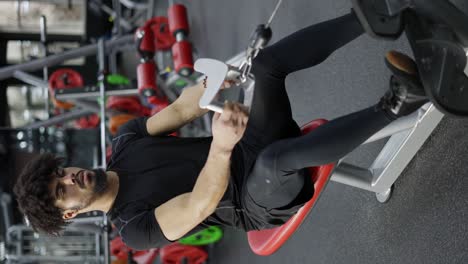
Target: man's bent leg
(279,162)
(312,45)
(271,117)
(275,181)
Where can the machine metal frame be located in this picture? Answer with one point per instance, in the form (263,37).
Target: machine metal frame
(407,135)
(85,241)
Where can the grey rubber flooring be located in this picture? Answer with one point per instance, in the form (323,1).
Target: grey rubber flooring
(426,221)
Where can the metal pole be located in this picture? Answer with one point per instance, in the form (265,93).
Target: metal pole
(94,107)
(60,119)
(133,5)
(122,22)
(18,13)
(150,12)
(401,124)
(118,15)
(30,79)
(105,238)
(92,92)
(45,70)
(102,86)
(352,175)
(88,50)
(102,89)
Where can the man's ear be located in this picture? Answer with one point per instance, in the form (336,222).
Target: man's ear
(69,214)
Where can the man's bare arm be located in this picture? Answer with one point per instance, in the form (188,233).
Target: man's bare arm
(182,213)
(182,111)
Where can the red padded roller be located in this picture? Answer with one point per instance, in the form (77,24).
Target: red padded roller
(178,19)
(146,75)
(182,56)
(146,41)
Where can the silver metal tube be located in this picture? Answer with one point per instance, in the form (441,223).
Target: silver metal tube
(105,238)
(6,205)
(93,93)
(113,62)
(95,108)
(43,28)
(401,124)
(273,14)
(18,14)
(180,36)
(150,9)
(133,5)
(353,176)
(97,249)
(117,17)
(30,79)
(41,259)
(60,119)
(88,50)
(122,22)
(79,238)
(400,150)
(102,86)
(237,59)
(45,70)
(138,15)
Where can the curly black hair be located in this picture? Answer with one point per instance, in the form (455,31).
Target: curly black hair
(34,198)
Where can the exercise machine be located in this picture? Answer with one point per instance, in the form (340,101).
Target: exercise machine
(438,36)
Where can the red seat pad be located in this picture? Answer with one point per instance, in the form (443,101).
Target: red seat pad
(266,242)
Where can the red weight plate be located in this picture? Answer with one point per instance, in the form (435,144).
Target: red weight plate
(64,78)
(175,253)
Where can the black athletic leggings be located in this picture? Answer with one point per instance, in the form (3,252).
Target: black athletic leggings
(277,177)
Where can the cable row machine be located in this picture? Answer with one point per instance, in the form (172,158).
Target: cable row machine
(438,36)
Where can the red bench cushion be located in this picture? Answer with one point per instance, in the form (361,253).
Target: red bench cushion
(266,242)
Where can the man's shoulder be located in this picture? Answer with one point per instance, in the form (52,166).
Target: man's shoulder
(137,226)
(128,132)
(136,126)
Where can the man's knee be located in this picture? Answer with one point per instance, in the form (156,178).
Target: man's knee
(265,63)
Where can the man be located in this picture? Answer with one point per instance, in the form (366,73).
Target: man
(249,174)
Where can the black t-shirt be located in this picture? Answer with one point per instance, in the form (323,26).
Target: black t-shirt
(154,169)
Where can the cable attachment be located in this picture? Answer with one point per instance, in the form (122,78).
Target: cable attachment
(244,69)
(258,40)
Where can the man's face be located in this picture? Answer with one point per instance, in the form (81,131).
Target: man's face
(75,189)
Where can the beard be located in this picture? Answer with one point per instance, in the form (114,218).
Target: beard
(99,188)
(100,181)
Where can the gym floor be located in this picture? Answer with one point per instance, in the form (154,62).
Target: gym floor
(425,221)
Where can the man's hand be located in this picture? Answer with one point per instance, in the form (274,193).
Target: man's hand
(226,84)
(228,127)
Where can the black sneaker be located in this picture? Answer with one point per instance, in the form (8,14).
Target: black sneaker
(406,93)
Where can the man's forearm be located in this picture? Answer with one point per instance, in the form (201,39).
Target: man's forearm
(212,182)
(182,213)
(188,102)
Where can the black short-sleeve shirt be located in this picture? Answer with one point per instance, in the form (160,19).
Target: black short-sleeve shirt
(154,169)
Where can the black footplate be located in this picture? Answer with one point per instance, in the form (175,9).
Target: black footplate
(441,61)
(378,19)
